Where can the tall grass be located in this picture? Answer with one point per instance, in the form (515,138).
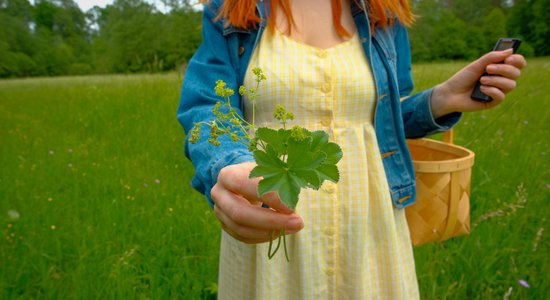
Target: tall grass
(510,197)
(95,200)
(95,193)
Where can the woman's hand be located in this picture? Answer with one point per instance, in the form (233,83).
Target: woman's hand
(453,95)
(240,210)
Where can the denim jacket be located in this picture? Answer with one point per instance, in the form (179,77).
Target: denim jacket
(225,53)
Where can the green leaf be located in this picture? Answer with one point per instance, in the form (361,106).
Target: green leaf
(287,165)
(333,153)
(268,158)
(320,142)
(284,184)
(276,138)
(328,172)
(308,178)
(319,138)
(301,158)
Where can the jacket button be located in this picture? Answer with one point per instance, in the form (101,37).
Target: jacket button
(325,121)
(241,51)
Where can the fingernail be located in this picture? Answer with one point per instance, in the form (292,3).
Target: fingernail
(295,223)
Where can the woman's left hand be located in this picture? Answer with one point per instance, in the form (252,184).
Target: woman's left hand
(453,95)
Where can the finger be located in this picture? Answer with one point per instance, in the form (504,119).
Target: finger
(517,60)
(496,94)
(505,70)
(504,84)
(241,212)
(241,233)
(493,57)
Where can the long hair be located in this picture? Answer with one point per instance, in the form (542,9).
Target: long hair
(242,13)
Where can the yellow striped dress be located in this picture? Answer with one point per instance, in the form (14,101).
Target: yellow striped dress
(355,244)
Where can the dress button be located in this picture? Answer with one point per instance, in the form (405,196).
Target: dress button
(329,231)
(329,271)
(326,87)
(322,53)
(325,121)
(329,187)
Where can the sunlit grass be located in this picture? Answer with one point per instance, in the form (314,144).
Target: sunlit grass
(510,196)
(94,176)
(96,200)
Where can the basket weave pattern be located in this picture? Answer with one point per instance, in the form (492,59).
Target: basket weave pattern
(443,176)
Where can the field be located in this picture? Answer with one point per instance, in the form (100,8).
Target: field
(95,199)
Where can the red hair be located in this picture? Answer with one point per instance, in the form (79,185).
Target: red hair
(242,13)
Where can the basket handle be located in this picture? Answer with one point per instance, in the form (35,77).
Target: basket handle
(448,136)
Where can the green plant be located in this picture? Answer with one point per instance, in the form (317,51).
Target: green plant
(287,159)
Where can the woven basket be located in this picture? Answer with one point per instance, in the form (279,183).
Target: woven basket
(443,174)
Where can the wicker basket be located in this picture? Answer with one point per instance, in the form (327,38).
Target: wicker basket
(443,174)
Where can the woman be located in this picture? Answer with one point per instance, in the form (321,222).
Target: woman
(342,66)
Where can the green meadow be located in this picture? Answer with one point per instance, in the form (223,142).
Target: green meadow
(96,202)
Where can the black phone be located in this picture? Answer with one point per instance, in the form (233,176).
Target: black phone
(502,44)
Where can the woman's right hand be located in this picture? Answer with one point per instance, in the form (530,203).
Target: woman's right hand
(240,210)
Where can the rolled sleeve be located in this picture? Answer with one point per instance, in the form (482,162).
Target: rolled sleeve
(418,118)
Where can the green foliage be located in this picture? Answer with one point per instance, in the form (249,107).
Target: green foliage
(119,234)
(131,36)
(56,37)
(288,160)
(509,195)
(294,159)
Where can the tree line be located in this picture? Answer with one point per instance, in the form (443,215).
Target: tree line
(55,37)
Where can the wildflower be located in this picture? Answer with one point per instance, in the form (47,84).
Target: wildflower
(259,74)
(170,209)
(524,283)
(215,109)
(242,90)
(214,141)
(548,186)
(297,133)
(145,184)
(195,134)
(50,199)
(157,181)
(235,121)
(51,152)
(70,165)
(13,214)
(53,227)
(280,113)
(221,90)
(70,150)
(525,122)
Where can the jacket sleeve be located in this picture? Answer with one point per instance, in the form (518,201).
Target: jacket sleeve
(210,63)
(416,112)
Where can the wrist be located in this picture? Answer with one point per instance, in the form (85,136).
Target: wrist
(439,101)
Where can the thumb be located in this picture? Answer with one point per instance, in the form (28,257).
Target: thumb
(273,201)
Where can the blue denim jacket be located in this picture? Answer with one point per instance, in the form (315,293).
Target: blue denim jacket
(225,53)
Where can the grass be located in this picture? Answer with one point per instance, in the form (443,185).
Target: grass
(96,200)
